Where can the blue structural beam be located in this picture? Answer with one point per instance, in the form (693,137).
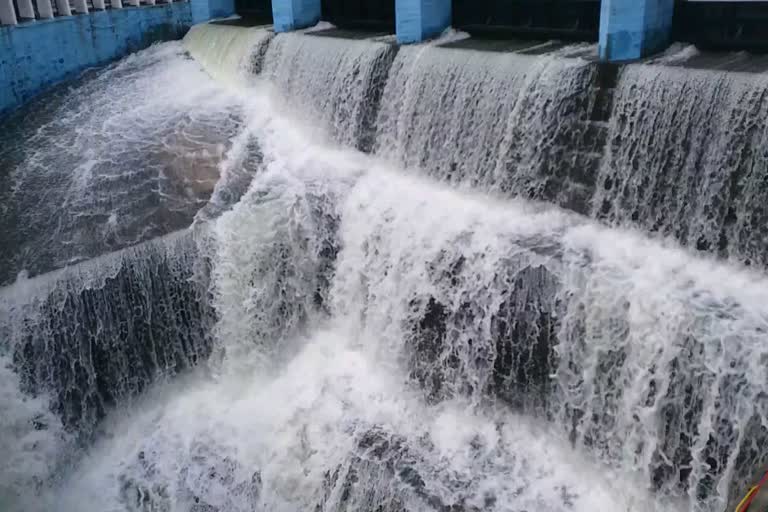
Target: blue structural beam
(295,14)
(418,20)
(632,29)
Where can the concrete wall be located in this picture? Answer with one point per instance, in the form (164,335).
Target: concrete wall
(418,20)
(632,29)
(37,54)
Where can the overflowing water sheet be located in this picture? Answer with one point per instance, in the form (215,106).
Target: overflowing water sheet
(347,333)
(229,54)
(499,121)
(687,158)
(80,341)
(336,83)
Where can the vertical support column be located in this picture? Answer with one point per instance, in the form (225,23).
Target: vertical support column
(44,9)
(632,29)
(98,5)
(26,10)
(81,7)
(201,11)
(117,4)
(418,20)
(7,13)
(134,3)
(295,14)
(64,8)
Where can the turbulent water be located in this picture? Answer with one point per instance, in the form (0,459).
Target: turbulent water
(366,316)
(123,155)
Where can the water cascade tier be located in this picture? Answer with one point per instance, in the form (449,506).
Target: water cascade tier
(427,278)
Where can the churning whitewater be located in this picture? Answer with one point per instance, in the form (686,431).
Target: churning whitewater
(362,314)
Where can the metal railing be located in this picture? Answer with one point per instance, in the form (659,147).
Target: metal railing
(13,12)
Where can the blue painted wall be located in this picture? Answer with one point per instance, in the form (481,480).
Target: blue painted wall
(295,14)
(632,29)
(418,20)
(204,10)
(35,55)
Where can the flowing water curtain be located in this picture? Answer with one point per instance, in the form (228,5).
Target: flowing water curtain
(94,336)
(540,142)
(687,158)
(659,372)
(650,367)
(231,54)
(331,82)
(271,286)
(503,122)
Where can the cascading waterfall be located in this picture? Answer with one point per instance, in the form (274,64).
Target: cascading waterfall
(103,331)
(687,158)
(524,114)
(642,355)
(93,336)
(630,346)
(369,339)
(331,426)
(110,161)
(337,83)
(229,54)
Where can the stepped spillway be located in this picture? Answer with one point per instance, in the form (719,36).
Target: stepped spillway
(425,278)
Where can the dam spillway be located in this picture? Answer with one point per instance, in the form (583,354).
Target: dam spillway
(347,275)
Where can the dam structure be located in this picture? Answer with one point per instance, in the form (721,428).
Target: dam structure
(385,256)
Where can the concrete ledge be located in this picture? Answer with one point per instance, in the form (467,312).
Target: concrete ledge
(38,54)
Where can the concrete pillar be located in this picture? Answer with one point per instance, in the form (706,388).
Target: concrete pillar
(201,11)
(64,8)
(26,10)
(7,13)
(632,29)
(98,5)
(117,4)
(81,7)
(44,9)
(134,3)
(418,20)
(295,14)
(204,10)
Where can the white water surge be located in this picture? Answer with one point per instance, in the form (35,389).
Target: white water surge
(384,343)
(335,422)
